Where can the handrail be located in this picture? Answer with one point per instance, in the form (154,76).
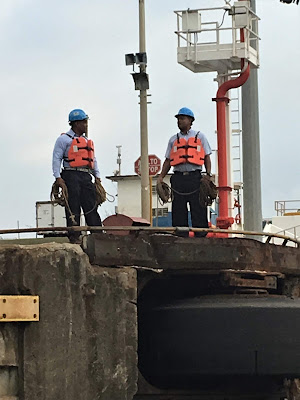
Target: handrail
(146,229)
(215,29)
(280,206)
(287,229)
(177,12)
(199,9)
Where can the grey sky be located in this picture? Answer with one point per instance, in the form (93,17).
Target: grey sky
(67,54)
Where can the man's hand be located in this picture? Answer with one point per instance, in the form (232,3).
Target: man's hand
(59,192)
(160,179)
(97,179)
(165,169)
(60,182)
(206,177)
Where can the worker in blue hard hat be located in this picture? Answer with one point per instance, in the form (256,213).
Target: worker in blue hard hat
(187,152)
(75,153)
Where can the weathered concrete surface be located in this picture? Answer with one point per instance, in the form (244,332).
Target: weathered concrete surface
(8,361)
(84,346)
(35,241)
(206,254)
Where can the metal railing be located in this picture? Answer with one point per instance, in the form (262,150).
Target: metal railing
(192,37)
(284,206)
(153,230)
(287,232)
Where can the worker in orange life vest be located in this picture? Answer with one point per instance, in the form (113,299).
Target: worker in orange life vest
(187,152)
(76,152)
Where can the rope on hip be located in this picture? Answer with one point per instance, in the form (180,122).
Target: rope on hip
(59,195)
(207,192)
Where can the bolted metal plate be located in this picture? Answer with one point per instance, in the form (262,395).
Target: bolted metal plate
(248,279)
(19,308)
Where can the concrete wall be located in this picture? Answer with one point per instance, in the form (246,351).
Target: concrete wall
(84,346)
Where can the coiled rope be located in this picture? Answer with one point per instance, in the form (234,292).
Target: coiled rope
(59,195)
(207,192)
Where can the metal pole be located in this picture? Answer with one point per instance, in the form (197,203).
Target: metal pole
(251,151)
(151,194)
(119,159)
(145,192)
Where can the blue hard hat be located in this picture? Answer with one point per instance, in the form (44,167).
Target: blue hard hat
(185,111)
(77,115)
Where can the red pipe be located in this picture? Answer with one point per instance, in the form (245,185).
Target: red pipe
(224,221)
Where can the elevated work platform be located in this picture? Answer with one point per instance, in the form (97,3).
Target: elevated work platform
(217,38)
(204,58)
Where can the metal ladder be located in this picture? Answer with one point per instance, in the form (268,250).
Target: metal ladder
(236,154)
(236,132)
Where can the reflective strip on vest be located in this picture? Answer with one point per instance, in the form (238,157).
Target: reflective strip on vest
(184,151)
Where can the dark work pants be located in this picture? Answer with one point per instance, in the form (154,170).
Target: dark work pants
(82,194)
(187,184)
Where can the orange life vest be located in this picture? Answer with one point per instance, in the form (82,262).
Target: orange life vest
(184,151)
(81,152)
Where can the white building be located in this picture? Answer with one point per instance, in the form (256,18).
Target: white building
(129,198)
